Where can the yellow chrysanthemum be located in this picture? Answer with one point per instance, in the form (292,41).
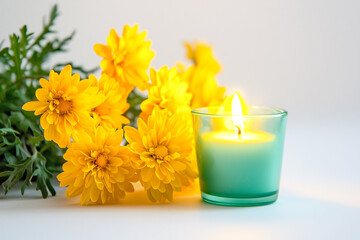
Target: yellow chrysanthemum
(203,87)
(163,151)
(109,113)
(167,91)
(126,58)
(65,103)
(202,56)
(98,168)
(201,76)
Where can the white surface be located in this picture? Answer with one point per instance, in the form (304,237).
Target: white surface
(299,55)
(292,217)
(319,199)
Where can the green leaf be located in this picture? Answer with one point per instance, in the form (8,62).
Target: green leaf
(5,174)
(16,174)
(43,177)
(6,142)
(10,158)
(21,150)
(4,131)
(50,187)
(134,100)
(36,140)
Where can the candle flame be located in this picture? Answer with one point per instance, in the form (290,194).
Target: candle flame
(237,111)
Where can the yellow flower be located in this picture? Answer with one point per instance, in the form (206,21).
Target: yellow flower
(203,87)
(126,58)
(167,91)
(163,151)
(65,103)
(109,113)
(98,168)
(202,56)
(201,76)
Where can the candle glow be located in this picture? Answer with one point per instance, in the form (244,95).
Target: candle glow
(236,110)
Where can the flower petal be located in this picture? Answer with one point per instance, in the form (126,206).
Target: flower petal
(42,94)
(147,174)
(102,50)
(113,40)
(33,105)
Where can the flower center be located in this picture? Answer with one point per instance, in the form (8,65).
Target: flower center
(64,106)
(161,152)
(101,161)
(118,57)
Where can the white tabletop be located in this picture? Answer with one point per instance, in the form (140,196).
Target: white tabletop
(319,199)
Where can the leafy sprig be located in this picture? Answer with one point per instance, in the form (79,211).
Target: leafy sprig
(24,154)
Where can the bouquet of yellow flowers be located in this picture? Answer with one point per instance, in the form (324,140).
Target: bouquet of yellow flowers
(108,148)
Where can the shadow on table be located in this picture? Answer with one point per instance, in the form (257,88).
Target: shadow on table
(188,199)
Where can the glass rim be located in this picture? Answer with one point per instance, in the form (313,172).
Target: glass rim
(278,112)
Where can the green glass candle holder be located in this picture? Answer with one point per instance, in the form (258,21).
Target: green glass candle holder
(239,169)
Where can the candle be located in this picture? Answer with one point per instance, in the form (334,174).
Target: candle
(239,156)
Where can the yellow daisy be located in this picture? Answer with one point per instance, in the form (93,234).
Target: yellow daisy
(163,151)
(167,91)
(65,103)
(203,87)
(202,56)
(98,168)
(126,58)
(109,113)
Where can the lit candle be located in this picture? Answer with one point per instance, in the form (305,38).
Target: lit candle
(239,164)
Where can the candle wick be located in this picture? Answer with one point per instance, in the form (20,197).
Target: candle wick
(238,130)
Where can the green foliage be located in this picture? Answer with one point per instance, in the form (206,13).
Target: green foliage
(24,154)
(134,99)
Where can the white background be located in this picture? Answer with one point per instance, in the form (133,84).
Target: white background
(302,56)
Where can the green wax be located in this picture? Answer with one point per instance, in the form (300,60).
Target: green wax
(239,167)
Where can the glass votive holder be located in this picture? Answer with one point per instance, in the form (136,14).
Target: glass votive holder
(239,169)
